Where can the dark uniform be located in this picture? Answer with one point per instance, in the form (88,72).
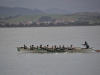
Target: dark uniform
(86,44)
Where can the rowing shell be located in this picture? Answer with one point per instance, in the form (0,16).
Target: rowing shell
(76,50)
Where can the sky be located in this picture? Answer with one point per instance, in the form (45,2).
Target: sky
(69,5)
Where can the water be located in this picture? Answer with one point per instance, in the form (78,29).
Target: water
(16,63)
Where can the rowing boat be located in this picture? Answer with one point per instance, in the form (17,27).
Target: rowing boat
(75,50)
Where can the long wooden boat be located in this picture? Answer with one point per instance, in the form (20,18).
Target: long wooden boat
(75,50)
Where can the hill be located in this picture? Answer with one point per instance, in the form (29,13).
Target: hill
(76,17)
(26,11)
(34,17)
(18,11)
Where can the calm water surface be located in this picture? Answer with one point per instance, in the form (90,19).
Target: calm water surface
(16,63)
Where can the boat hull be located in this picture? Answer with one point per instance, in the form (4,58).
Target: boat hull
(81,50)
(76,50)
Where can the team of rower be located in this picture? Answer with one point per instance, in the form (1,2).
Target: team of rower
(47,47)
(53,47)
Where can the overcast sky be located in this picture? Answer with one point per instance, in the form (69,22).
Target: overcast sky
(69,5)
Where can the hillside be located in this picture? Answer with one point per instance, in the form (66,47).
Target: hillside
(26,11)
(35,18)
(18,11)
(76,17)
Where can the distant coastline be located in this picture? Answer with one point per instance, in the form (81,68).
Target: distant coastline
(47,26)
(50,20)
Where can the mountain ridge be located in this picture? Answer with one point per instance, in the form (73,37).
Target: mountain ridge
(18,11)
(26,11)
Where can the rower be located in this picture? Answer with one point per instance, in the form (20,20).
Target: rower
(86,44)
(63,47)
(32,47)
(47,46)
(25,47)
(71,47)
(41,46)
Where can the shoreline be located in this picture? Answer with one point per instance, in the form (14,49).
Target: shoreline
(48,26)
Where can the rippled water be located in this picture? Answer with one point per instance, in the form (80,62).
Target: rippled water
(16,63)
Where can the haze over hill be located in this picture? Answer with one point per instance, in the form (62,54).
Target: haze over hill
(18,11)
(26,11)
(56,11)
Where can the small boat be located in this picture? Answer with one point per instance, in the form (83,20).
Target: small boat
(75,50)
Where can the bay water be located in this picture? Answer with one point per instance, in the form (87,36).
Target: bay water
(13,62)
